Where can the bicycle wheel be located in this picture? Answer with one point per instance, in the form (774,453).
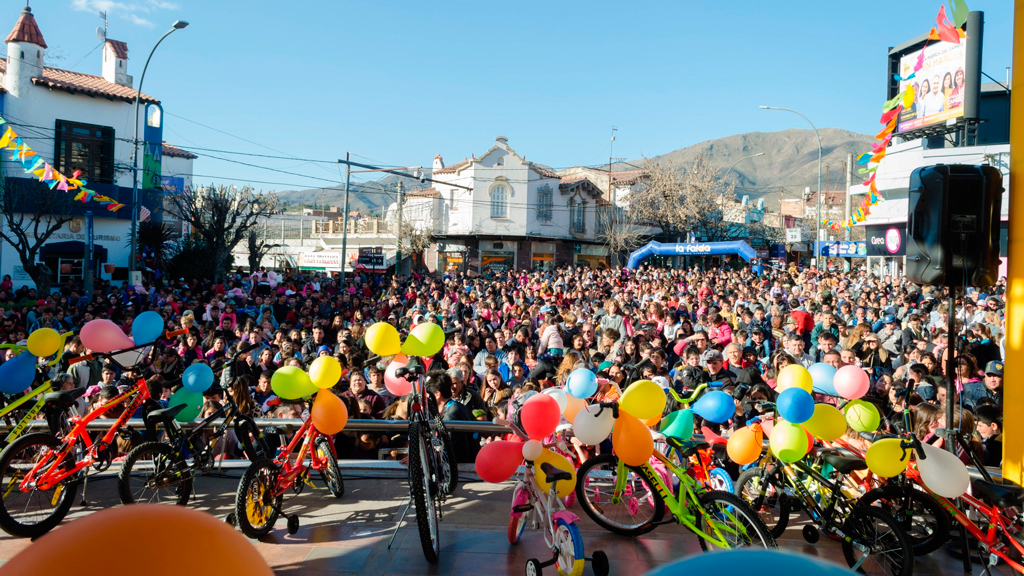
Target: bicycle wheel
(32,513)
(876,544)
(446,458)
(517,520)
(719,479)
(726,516)
(152,474)
(925,521)
(768,500)
(423,487)
(569,542)
(632,513)
(256,508)
(330,473)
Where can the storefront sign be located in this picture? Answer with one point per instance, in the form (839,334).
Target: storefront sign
(371,256)
(886,240)
(843,249)
(320,260)
(493,261)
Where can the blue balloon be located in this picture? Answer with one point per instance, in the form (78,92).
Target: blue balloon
(822,375)
(17,373)
(147,327)
(582,383)
(752,561)
(715,406)
(197,378)
(795,405)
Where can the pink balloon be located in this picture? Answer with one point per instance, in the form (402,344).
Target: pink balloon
(104,336)
(499,460)
(540,416)
(851,382)
(394,384)
(767,424)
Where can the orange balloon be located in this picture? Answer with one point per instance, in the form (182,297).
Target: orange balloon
(573,405)
(329,413)
(190,542)
(652,422)
(632,440)
(744,445)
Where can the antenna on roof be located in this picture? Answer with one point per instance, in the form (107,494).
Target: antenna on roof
(101,33)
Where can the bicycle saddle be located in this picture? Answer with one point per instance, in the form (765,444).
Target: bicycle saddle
(686,448)
(998,495)
(553,474)
(165,414)
(845,465)
(64,398)
(711,438)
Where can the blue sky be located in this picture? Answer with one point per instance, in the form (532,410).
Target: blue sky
(397,82)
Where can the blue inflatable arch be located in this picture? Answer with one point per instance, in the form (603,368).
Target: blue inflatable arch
(740,248)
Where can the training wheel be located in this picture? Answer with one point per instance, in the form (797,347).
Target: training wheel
(230,519)
(533,567)
(811,534)
(293,524)
(600,563)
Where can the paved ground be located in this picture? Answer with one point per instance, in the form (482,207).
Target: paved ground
(350,535)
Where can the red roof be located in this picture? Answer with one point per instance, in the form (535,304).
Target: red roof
(78,83)
(453,168)
(177,152)
(629,176)
(423,192)
(545,172)
(26,30)
(120,48)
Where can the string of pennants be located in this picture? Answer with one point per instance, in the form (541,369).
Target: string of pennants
(944,31)
(35,165)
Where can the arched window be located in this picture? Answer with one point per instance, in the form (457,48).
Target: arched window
(499,201)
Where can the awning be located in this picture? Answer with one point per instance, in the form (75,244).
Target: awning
(70,249)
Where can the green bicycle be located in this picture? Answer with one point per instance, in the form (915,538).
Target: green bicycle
(631,500)
(56,410)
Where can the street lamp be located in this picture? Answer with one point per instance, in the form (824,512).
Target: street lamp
(740,160)
(178,25)
(817,237)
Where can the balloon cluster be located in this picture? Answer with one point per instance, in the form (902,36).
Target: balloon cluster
(941,471)
(329,413)
(19,372)
(424,340)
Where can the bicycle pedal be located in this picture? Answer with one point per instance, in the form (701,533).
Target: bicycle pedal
(521,508)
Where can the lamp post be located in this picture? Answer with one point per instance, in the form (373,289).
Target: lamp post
(740,160)
(178,25)
(817,237)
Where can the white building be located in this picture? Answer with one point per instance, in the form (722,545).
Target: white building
(85,122)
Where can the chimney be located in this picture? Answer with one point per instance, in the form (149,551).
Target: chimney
(115,63)
(438,162)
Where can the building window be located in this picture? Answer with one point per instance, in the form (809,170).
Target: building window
(545,202)
(577,214)
(499,201)
(87,148)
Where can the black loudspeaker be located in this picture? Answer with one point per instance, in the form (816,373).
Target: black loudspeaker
(953,225)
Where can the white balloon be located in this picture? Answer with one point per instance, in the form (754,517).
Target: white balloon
(559,395)
(943,473)
(130,358)
(592,429)
(532,449)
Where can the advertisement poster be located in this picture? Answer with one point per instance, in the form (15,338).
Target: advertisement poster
(497,261)
(938,86)
(886,240)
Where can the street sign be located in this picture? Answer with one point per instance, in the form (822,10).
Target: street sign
(372,257)
(793,235)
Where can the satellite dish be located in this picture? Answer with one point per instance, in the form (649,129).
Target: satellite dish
(101,33)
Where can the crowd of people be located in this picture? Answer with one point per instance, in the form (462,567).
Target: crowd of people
(514,333)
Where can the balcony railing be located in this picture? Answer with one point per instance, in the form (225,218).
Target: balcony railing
(337,227)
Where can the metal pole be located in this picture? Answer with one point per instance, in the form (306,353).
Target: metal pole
(1013,394)
(738,161)
(90,265)
(398,231)
(849,185)
(344,219)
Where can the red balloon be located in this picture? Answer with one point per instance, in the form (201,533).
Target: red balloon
(499,460)
(540,416)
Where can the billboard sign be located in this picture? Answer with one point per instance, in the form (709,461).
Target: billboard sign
(939,86)
(886,240)
(844,249)
(320,260)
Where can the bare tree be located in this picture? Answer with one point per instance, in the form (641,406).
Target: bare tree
(682,199)
(221,216)
(32,213)
(621,230)
(257,241)
(414,240)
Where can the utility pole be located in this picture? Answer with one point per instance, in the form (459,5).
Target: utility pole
(398,231)
(344,220)
(849,185)
(611,154)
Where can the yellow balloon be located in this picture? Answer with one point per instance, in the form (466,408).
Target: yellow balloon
(788,441)
(794,375)
(382,339)
(44,342)
(886,458)
(862,416)
(643,399)
(631,440)
(325,372)
(827,423)
(424,340)
(563,487)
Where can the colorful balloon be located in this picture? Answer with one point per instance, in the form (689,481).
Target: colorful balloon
(425,339)
(795,405)
(498,460)
(886,458)
(147,327)
(18,373)
(291,383)
(678,424)
(559,395)
(752,561)
(632,440)
(563,487)
(382,339)
(394,384)
(582,383)
(643,399)
(745,445)
(942,472)
(788,441)
(329,413)
(591,429)
(823,376)
(540,416)
(197,378)
(862,416)
(573,405)
(715,406)
(44,342)
(851,382)
(193,402)
(325,372)
(794,376)
(104,336)
(827,423)
(532,449)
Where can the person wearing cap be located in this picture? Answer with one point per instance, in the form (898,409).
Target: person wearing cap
(759,342)
(717,372)
(891,335)
(991,387)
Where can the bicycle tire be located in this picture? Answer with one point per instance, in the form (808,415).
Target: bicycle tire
(251,499)
(517,520)
(421,487)
(68,489)
(927,524)
(570,559)
(711,503)
(330,473)
(182,490)
(771,506)
(596,511)
(449,463)
(900,557)
(719,479)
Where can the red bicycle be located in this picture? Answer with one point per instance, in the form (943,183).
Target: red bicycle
(264,483)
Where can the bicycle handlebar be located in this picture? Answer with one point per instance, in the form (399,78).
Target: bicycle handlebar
(92,355)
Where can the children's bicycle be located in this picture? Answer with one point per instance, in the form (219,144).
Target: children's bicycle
(530,504)
(264,483)
(46,402)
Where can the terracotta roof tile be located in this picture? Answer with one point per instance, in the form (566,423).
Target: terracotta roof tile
(169,150)
(76,82)
(453,168)
(423,192)
(545,172)
(629,176)
(26,30)
(120,48)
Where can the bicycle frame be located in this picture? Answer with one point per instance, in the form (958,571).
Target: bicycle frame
(43,389)
(290,472)
(546,504)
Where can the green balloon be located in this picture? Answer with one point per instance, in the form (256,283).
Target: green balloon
(193,402)
(678,424)
(291,383)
